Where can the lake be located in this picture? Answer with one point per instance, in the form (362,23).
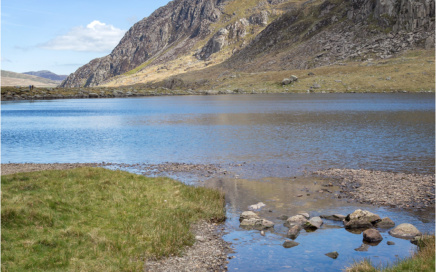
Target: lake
(275,137)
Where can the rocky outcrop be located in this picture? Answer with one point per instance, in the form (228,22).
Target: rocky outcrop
(338,31)
(169,32)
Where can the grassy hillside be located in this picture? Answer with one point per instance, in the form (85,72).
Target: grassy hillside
(17,79)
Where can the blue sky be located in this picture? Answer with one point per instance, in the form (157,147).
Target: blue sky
(61,36)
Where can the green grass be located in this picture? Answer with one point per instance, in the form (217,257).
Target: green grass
(94,219)
(422,261)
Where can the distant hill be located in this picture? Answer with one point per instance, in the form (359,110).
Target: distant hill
(47,74)
(9,78)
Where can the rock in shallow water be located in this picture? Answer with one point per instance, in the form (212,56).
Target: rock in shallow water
(256,223)
(405,231)
(314,223)
(372,236)
(295,220)
(289,244)
(248,215)
(294,231)
(332,255)
(385,223)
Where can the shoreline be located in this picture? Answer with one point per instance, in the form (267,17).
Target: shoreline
(23,94)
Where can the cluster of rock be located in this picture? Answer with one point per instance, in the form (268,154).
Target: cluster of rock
(360,221)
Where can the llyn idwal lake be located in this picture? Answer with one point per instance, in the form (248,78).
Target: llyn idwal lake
(274,137)
(392,132)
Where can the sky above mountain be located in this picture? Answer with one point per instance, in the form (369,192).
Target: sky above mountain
(61,36)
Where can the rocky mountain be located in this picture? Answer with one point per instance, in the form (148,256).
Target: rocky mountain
(47,74)
(259,35)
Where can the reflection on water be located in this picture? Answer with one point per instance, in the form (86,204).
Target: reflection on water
(373,131)
(289,197)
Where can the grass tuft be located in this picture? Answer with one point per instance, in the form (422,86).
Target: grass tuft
(422,261)
(94,219)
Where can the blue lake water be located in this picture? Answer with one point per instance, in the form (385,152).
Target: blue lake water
(272,135)
(372,131)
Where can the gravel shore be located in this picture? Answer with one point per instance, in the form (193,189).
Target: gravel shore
(209,253)
(408,191)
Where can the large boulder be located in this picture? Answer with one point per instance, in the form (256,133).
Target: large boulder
(314,223)
(361,220)
(248,215)
(256,223)
(385,223)
(405,231)
(295,220)
(372,236)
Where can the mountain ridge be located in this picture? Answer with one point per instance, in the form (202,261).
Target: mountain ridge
(250,35)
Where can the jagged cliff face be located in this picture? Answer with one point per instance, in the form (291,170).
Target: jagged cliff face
(170,31)
(296,35)
(337,31)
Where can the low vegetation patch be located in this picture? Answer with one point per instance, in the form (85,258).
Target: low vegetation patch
(94,219)
(423,260)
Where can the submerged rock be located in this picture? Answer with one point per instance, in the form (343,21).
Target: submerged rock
(332,255)
(405,231)
(334,217)
(363,247)
(289,244)
(256,206)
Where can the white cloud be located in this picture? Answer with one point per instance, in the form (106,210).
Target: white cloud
(95,37)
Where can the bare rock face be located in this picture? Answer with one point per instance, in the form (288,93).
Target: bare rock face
(405,231)
(172,29)
(215,44)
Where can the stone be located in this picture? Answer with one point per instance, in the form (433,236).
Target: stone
(256,223)
(93,95)
(295,220)
(334,217)
(363,247)
(372,236)
(390,243)
(286,81)
(314,223)
(405,231)
(248,215)
(200,238)
(289,244)
(316,86)
(360,219)
(385,223)
(294,231)
(305,214)
(294,78)
(333,255)
(256,206)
